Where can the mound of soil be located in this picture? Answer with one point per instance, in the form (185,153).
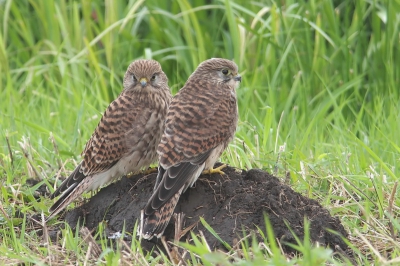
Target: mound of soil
(230,204)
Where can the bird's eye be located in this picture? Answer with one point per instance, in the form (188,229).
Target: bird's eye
(225,71)
(134,78)
(153,78)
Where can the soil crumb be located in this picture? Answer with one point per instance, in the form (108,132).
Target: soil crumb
(230,204)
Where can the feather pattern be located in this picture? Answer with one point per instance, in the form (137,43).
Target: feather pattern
(126,138)
(200,123)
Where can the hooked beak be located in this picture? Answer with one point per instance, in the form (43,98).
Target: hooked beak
(143,81)
(238,78)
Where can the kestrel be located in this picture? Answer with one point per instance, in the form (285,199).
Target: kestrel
(127,135)
(201,121)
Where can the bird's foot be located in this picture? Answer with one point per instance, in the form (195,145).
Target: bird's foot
(150,171)
(129,175)
(217,170)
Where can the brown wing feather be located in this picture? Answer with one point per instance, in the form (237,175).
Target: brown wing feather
(111,140)
(197,123)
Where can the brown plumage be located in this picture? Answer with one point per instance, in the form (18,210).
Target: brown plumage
(127,135)
(201,121)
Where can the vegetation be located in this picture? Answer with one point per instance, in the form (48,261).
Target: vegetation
(319,107)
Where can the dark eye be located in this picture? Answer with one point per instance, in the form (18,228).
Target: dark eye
(153,77)
(225,72)
(134,78)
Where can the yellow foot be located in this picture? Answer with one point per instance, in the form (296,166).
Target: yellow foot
(150,170)
(217,170)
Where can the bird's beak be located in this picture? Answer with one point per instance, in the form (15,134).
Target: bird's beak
(238,78)
(143,81)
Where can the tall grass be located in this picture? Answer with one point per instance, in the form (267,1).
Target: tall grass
(319,101)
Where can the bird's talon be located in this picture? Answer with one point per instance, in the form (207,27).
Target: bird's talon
(150,171)
(217,170)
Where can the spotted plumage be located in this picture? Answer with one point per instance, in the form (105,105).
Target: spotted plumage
(201,121)
(127,135)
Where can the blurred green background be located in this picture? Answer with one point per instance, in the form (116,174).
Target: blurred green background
(318,76)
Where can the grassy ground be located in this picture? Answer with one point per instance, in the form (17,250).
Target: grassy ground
(319,106)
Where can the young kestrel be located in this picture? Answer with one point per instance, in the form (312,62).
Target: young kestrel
(127,135)
(201,121)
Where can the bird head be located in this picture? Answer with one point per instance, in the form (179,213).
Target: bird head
(145,75)
(220,70)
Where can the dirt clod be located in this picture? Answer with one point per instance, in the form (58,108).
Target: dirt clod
(230,204)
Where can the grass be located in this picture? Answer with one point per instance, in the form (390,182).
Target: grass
(319,105)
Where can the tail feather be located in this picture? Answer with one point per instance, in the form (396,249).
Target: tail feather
(170,184)
(75,177)
(155,223)
(70,194)
(66,198)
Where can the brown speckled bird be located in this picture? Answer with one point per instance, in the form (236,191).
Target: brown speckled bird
(127,135)
(201,121)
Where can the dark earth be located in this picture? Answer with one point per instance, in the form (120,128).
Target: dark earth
(230,204)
